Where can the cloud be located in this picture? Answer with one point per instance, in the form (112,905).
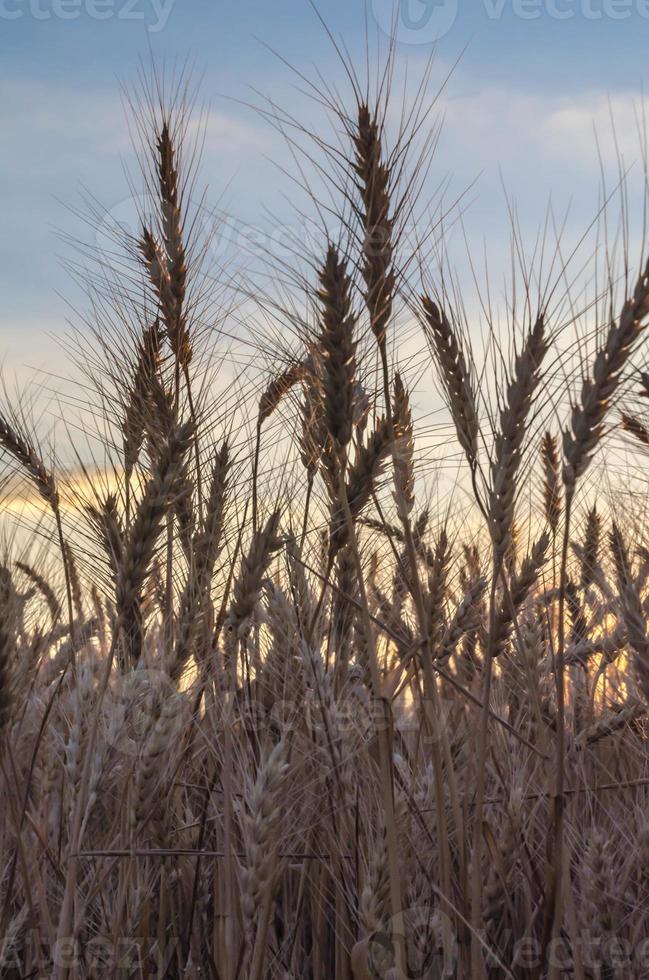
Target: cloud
(62,128)
(230,135)
(55,127)
(614,121)
(504,126)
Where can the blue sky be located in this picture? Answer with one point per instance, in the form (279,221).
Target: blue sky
(534,78)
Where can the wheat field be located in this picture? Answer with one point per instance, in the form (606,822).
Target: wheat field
(273,703)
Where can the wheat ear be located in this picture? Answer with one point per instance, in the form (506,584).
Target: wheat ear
(7,643)
(377,222)
(44,588)
(635,620)
(456,377)
(138,402)
(509,439)
(17,445)
(551,480)
(587,420)
(404,447)
(337,350)
(139,547)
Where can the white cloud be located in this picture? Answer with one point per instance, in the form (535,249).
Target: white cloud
(229,135)
(615,121)
(63,127)
(504,126)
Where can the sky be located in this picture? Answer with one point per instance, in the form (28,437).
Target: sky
(533,81)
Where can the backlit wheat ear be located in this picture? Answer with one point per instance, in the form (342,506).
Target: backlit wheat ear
(552,480)
(636,428)
(472,564)
(137,408)
(161,415)
(363,477)
(509,438)
(403,455)
(184,508)
(369,463)
(106,521)
(590,547)
(247,586)
(208,540)
(196,615)
(373,901)
(599,893)
(171,224)
(377,222)
(278,389)
(75,581)
(615,721)
(588,415)
(437,584)
(579,623)
(520,586)
(171,219)
(343,611)
(455,376)
(633,614)
(466,617)
(7,644)
(337,350)
(156,266)
(311,437)
(138,549)
(18,446)
(44,588)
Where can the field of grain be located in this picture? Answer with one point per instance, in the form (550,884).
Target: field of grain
(275,704)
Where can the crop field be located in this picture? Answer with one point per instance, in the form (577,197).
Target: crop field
(323,627)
